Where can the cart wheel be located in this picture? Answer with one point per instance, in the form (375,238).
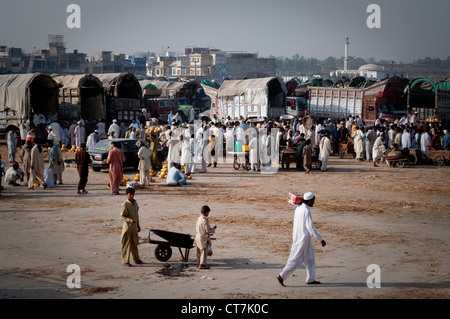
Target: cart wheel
(401,164)
(163,252)
(412,159)
(236,165)
(439,160)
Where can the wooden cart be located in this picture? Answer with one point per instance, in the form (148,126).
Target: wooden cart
(347,148)
(288,156)
(439,157)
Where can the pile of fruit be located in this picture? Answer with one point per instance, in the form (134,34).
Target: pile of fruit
(72,150)
(124,181)
(162,174)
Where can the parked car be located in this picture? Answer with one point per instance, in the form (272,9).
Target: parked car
(99,153)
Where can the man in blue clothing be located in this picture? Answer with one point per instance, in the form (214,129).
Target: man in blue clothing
(446,141)
(170,117)
(175,177)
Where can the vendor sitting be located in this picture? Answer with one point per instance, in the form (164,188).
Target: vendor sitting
(14,174)
(175,177)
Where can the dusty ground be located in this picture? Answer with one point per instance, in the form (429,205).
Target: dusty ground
(396,218)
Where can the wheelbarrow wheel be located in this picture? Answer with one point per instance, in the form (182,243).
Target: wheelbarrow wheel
(163,252)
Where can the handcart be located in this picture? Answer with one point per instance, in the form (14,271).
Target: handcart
(241,159)
(406,158)
(288,156)
(163,250)
(347,148)
(439,157)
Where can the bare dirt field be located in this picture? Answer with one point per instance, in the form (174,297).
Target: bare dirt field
(396,218)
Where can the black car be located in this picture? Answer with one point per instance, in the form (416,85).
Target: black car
(99,153)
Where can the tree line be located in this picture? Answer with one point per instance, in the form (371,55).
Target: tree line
(310,66)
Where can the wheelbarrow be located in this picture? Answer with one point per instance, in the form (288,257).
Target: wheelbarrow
(163,250)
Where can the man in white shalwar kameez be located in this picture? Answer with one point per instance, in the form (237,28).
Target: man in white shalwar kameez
(254,152)
(80,135)
(359,144)
(378,149)
(302,251)
(425,142)
(173,155)
(325,151)
(406,139)
(114,128)
(145,163)
(186,154)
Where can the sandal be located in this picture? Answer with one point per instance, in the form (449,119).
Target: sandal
(203,267)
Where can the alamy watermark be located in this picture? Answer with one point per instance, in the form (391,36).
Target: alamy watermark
(74,280)
(374,19)
(74,19)
(374,279)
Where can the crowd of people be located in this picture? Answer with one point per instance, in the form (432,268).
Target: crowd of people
(197,146)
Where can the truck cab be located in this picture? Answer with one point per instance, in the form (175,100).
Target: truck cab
(296,106)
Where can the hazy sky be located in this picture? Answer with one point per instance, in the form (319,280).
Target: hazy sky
(410,29)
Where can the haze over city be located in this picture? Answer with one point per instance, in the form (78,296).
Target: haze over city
(409,30)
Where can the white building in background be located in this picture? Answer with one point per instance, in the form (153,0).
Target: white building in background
(369,71)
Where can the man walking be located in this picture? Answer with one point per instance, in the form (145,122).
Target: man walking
(325,151)
(115,160)
(11,141)
(130,229)
(302,251)
(37,166)
(82,159)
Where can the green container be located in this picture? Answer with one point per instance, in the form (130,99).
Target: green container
(238,146)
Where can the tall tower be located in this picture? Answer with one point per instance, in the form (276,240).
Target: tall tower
(347,42)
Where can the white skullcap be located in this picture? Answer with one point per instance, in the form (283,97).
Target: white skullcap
(114,121)
(308,196)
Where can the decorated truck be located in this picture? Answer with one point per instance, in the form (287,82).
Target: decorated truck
(385,100)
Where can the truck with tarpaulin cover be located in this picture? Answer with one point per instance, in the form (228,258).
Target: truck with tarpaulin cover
(23,95)
(430,100)
(252,98)
(123,96)
(81,96)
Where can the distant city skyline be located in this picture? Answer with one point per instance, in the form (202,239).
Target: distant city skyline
(410,30)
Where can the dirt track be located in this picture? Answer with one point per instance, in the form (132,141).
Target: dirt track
(397,218)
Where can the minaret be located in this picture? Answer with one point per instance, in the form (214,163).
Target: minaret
(347,42)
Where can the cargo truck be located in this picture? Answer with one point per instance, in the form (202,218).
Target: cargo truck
(385,100)
(23,95)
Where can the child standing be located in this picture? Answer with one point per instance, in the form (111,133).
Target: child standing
(202,238)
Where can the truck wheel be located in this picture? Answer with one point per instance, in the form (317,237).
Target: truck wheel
(96,169)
